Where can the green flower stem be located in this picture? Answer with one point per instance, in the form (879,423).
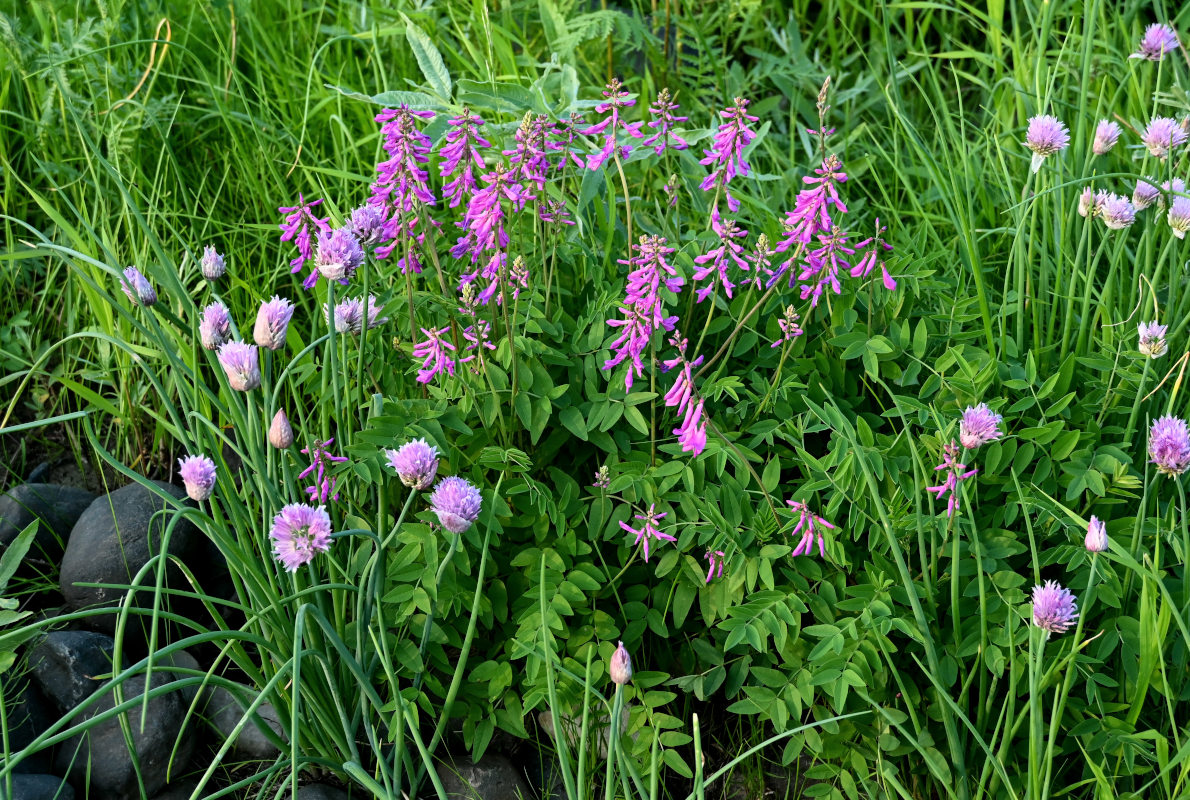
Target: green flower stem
(613,743)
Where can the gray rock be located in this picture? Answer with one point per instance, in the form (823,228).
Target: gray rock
(180,790)
(39,787)
(319,791)
(493,778)
(182,660)
(28,718)
(57,507)
(225,710)
(99,758)
(65,664)
(112,540)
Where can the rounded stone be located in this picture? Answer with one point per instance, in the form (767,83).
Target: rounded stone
(57,508)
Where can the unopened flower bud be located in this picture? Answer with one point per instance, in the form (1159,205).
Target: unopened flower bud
(620,668)
(280,434)
(1096,540)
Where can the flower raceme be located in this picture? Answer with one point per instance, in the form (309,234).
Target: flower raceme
(663,121)
(956,472)
(321,460)
(716,559)
(461,157)
(726,155)
(692,433)
(810,526)
(432,351)
(649,529)
(714,263)
(299,225)
(642,312)
(617,100)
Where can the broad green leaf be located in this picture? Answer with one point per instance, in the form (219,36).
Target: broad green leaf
(428,58)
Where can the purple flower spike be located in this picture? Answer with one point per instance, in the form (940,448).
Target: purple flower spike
(241,362)
(280,432)
(1096,539)
(1046,135)
(1146,193)
(956,472)
(299,220)
(300,532)
(212,264)
(663,122)
(979,426)
(1169,446)
(214,329)
(649,529)
(620,667)
(790,327)
(1117,212)
(617,100)
(351,314)
(1162,135)
(1151,339)
(642,312)
(457,503)
(1179,216)
(1158,40)
(716,559)
(809,525)
(726,156)
(461,157)
(867,262)
(1054,608)
(715,262)
(339,256)
(692,433)
(415,462)
(1107,133)
(401,179)
(198,473)
(432,351)
(321,460)
(137,287)
(811,214)
(272,322)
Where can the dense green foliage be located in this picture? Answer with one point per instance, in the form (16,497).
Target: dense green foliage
(125,141)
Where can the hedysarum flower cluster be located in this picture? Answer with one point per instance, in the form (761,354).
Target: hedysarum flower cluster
(716,559)
(461,157)
(692,433)
(299,533)
(714,263)
(432,351)
(401,180)
(663,121)
(457,503)
(649,529)
(868,261)
(485,238)
(530,158)
(1054,608)
(810,526)
(1045,136)
(617,100)
(726,155)
(642,312)
(956,472)
(299,220)
(1169,446)
(321,460)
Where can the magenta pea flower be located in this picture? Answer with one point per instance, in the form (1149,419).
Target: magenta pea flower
(321,461)
(649,529)
(956,472)
(1054,608)
(432,351)
(299,226)
(663,121)
(716,559)
(692,433)
(617,101)
(810,526)
(642,313)
(300,532)
(726,155)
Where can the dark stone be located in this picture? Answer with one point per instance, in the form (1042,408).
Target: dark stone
(65,664)
(224,711)
(58,509)
(493,778)
(39,787)
(182,660)
(99,758)
(28,718)
(112,540)
(180,790)
(319,791)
